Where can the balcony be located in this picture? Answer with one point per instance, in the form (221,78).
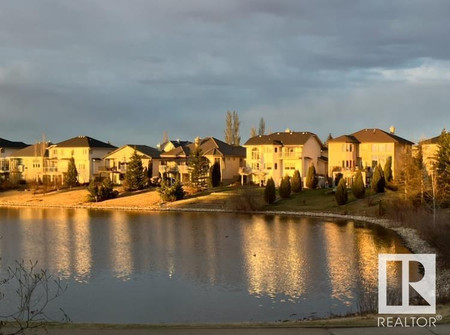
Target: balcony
(4,165)
(290,155)
(174,168)
(50,169)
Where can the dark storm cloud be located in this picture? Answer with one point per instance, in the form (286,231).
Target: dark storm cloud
(126,71)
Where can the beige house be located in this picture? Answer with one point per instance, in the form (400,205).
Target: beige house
(87,153)
(29,163)
(231,159)
(430,148)
(8,148)
(116,162)
(364,150)
(279,154)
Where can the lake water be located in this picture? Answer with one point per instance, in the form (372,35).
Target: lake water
(127,267)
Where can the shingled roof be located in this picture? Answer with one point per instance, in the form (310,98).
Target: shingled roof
(283,138)
(433,140)
(84,142)
(11,144)
(209,146)
(372,135)
(140,148)
(36,150)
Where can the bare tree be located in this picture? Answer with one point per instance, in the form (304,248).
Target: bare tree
(32,289)
(253,131)
(165,137)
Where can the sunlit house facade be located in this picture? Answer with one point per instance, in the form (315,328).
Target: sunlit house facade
(230,158)
(365,149)
(279,154)
(87,153)
(115,163)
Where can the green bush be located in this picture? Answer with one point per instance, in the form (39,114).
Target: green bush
(285,187)
(337,178)
(270,192)
(296,182)
(101,192)
(388,170)
(215,175)
(311,178)
(171,192)
(378,181)
(341,192)
(358,187)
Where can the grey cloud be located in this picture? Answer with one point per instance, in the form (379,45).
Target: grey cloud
(141,67)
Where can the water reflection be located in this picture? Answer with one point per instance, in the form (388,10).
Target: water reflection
(230,267)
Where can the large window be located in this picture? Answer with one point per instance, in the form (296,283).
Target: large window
(255,154)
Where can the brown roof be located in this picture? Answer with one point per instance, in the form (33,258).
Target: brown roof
(283,138)
(11,144)
(433,140)
(84,142)
(372,135)
(140,148)
(209,146)
(36,150)
(344,138)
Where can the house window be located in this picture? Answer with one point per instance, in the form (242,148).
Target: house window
(276,150)
(276,166)
(255,154)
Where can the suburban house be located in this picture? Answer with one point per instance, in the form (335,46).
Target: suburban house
(364,150)
(116,162)
(87,153)
(430,148)
(29,163)
(231,158)
(279,154)
(7,148)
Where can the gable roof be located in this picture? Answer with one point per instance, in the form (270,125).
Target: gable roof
(36,150)
(84,142)
(372,135)
(283,138)
(141,149)
(344,138)
(209,146)
(433,140)
(11,144)
(175,143)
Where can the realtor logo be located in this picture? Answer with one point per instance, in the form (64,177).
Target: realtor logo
(426,287)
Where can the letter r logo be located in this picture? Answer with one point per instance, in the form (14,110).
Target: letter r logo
(426,287)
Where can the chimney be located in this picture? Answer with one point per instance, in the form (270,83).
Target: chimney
(392,129)
(287,130)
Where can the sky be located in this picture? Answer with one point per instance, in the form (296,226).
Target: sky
(126,71)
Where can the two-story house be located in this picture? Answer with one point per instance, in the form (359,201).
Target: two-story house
(279,154)
(7,148)
(231,158)
(87,153)
(29,163)
(116,162)
(364,150)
